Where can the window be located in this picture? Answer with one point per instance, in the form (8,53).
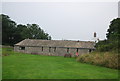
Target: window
(67,50)
(77,50)
(90,50)
(22,48)
(49,49)
(42,48)
(54,49)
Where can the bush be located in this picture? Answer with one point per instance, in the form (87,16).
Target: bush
(105,59)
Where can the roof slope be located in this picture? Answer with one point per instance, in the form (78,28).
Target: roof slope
(57,43)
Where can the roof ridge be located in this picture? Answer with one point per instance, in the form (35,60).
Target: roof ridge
(60,40)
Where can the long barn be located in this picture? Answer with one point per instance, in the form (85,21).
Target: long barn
(54,47)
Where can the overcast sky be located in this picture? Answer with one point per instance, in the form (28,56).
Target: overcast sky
(65,20)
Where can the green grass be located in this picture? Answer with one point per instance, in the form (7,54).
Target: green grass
(27,66)
(0,63)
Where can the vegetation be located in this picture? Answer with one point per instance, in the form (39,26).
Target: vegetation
(13,33)
(0,68)
(27,66)
(106,59)
(107,51)
(113,38)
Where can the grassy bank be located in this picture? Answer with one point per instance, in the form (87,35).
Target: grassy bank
(106,59)
(27,66)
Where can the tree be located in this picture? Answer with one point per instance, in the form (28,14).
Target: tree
(35,32)
(13,33)
(113,35)
(21,32)
(113,38)
(31,31)
(114,30)
(8,28)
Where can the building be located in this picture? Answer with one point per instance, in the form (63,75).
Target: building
(54,47)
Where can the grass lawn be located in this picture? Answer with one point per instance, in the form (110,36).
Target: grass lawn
(0,63)
(27,66)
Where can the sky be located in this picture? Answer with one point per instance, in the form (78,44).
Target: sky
(119,9)
(65,20)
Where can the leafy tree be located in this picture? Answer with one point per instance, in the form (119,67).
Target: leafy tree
(8,28)
(113,37)
(13,33)
(114,30)
(21,32)
(35,32)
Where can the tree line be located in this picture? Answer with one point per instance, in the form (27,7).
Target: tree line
(13,33)
(112,43)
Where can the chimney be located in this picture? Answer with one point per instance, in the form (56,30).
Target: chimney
(94,34)
(95,37)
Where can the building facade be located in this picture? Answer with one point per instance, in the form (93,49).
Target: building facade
(54,47)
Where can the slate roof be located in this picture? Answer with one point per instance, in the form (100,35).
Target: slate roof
(57,43)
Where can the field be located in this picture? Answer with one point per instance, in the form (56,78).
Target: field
(27,66)
(0,68)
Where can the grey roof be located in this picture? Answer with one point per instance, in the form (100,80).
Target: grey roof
(57,43)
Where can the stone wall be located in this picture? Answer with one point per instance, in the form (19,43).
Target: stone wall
(55,51)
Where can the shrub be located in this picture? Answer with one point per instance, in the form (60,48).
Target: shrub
(105,59)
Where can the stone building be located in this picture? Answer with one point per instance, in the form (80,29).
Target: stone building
(54,47)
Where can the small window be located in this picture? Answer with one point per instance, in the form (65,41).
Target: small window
(77,50)
(42,48)
(90,50)
(54,49)
(49,49)
(67,50)
(22,48)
